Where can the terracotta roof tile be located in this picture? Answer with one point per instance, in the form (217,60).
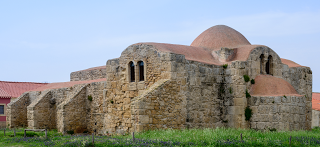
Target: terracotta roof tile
(66,84)
(267,85)
(191,53)
(15,89)
(4,94)
(290,63)
(220,36)
(316,101)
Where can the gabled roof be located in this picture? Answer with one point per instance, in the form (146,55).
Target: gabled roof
(15,89)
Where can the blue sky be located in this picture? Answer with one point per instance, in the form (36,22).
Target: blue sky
(44,41)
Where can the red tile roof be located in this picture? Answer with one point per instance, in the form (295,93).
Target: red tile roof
(316,101)
(220,36)
(15,89)
(203,47)
(290,63)
(271,86)
(66,84)
(4,94)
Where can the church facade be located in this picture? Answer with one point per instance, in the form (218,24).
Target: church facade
(220,80)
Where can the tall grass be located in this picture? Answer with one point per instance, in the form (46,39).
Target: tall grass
(169,137)
(230,136)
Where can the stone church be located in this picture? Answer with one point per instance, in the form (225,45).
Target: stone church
(220,80)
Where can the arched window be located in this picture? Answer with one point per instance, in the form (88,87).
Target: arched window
(269,65)
(141,70)
(131,72)
(261,64)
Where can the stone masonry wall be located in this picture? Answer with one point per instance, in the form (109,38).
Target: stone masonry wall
(120,91)
(209,96)
(252,67)
(315,118)
(2,124)
(94,108)
(161,106)
(71,114)
(17,111)
(41,113)
(278,112)
(89,74)
(301,79)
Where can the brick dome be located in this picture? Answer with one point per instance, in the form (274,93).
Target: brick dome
(220,36)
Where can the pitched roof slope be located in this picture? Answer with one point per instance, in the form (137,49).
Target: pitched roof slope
(316,101)
(290,63)
(15,89)
(203,47)
(4,94)
(66,84)
(191,53)
(267,85)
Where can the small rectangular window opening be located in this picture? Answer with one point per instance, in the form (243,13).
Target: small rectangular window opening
(1,109)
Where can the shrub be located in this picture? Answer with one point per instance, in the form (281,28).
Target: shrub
(247,94)
(246,78)
(284,96)
(89,97)
(230,90)
(111,101)
(225,66)
(252,81)
(248,113)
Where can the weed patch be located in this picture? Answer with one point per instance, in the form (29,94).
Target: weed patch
(246,78)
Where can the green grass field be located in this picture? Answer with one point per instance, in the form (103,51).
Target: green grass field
(191,137)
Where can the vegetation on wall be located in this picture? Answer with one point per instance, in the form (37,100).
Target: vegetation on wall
(247,94)
(89,97)
(246,78)
(252,81)
(225,66)
(248,113)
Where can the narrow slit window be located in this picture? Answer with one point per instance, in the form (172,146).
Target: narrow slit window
(132,76)
(269,65)
(261,63)
(141,70)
